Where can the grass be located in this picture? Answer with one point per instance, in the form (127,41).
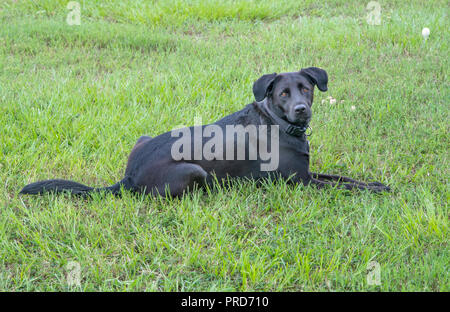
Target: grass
(74,99)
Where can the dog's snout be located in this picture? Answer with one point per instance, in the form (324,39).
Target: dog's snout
(300,109)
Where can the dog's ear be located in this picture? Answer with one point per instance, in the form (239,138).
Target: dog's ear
(263,86)
(317,76)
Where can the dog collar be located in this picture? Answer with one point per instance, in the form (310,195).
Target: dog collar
(283,124)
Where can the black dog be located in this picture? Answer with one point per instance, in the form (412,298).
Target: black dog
(282,111)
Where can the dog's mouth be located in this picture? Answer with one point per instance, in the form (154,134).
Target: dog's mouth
(301,122)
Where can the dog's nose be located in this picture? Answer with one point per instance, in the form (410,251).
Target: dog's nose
(300,109)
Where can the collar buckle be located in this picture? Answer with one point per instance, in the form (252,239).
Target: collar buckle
(296,131)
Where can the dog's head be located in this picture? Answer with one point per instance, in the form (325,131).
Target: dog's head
(290,95)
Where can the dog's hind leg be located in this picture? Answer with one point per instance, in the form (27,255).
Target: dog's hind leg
(177,179)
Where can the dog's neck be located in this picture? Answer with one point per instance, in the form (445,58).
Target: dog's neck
(298,131)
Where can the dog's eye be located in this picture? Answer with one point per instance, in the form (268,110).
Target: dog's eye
(304,90)
(284,94)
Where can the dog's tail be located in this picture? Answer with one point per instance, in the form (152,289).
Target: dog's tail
(60,186)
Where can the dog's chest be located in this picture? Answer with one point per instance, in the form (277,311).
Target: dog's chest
(296,145)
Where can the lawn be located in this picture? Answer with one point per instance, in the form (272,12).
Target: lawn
(74,99)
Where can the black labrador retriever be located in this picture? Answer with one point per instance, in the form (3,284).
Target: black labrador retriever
(266,139)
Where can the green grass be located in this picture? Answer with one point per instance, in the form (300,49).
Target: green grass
(74,99)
